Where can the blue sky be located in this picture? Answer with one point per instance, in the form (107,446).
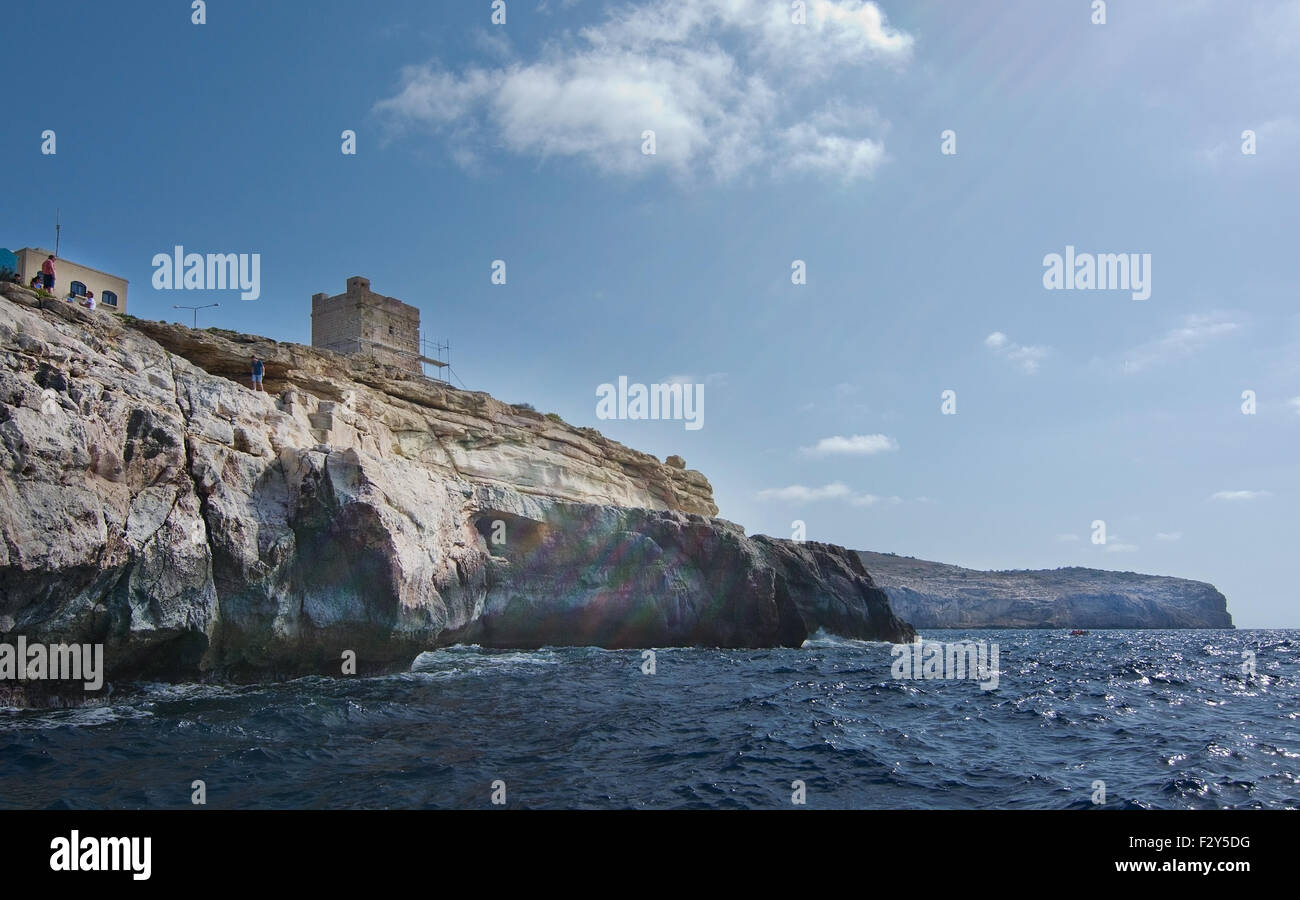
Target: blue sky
(775,142)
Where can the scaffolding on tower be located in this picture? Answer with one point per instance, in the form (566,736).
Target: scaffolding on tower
(437,354)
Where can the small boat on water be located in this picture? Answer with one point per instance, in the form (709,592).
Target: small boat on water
(1078,631)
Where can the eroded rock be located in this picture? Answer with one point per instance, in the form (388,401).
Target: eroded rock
(155,504)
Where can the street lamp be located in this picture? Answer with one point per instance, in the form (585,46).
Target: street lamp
(196,310)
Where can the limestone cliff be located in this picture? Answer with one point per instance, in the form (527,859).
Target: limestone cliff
(154,503)
(937,595)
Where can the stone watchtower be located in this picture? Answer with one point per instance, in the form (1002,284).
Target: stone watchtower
(361,321)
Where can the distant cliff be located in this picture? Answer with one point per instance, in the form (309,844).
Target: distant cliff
(153,503)
(936,595)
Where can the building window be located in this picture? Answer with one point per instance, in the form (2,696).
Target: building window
(110,298)
(78,289)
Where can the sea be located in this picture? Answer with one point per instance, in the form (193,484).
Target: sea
(1111,719)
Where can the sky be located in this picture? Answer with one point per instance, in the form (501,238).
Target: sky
(775,142)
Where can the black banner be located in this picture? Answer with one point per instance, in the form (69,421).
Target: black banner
(221,848)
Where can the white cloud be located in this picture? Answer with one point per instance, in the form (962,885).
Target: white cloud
(837,490)
(1295,403)
(1169,536)
(1027,357)
(724,84)
(433,95)
(856,445)
(1195,333)
(806,149)
(800,493)
(1067,538)
(1240,495)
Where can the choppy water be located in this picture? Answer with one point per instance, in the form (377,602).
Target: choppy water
(1166,719)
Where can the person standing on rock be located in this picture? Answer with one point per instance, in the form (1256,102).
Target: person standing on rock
(258,370)
(47,273)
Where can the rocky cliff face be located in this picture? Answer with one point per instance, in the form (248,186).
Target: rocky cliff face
(155,504)
(935,595)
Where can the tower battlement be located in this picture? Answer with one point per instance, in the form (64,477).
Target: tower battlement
(361,321)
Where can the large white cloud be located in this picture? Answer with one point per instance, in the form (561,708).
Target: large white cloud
(728,86)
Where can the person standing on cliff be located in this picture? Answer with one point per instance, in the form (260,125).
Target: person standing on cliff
(47,273)
(258,370)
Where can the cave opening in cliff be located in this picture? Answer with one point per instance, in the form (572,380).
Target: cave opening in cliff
(509,535)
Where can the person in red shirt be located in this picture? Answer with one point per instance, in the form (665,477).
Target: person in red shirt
(47,272)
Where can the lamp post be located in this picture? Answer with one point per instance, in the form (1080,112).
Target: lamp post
(196,310)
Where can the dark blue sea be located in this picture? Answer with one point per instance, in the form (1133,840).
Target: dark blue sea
(1166,719)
